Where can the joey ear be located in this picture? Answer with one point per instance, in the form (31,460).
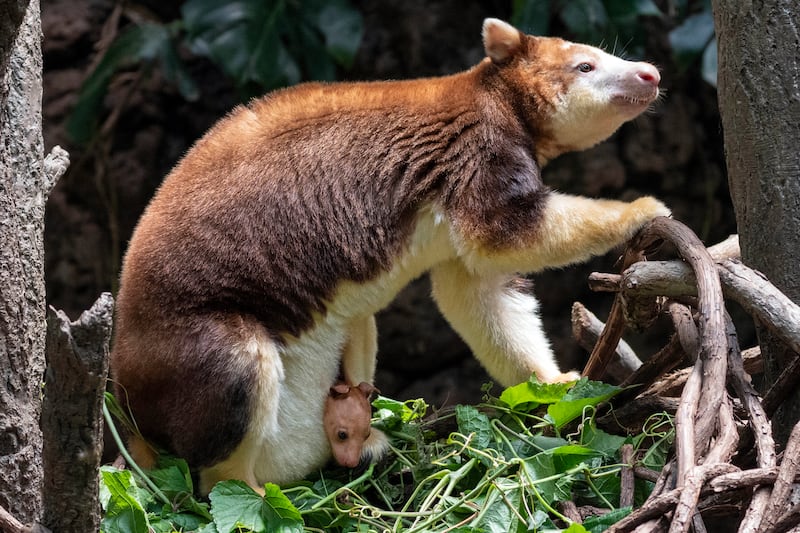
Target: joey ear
(340,389)
(367,389)
(501,40)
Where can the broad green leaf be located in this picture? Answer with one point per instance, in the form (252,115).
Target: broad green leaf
(547,443)
(172,476)
(603,489)
(235,505)
(570,456)
(541,472)
(472,421)
(534,393)
(597,439)
(185,521)
(124,513)
(140,42)
(274,43)
(584,394)
(241,36)
(406,411)
(538,520)
(497,516)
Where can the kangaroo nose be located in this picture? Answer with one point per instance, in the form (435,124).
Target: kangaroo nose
(648,74)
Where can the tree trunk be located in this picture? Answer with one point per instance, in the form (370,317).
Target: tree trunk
(72,416)
(11,14)
(25,182)
(759,98)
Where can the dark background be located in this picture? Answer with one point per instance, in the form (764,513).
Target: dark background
(673,152)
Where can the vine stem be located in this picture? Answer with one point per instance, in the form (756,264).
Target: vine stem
(129,460)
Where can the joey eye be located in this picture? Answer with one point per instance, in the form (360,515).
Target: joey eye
(342,435)
(585,67)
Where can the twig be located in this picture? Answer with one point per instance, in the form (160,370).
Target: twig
(672,384)
(570,510)
(626,477)
(764,301)
(653,508)
(761,430)
(683,322)
(9,524)
(690,494)
(684,423)
(656,365)
(586,329)
(787,521)
(779,499)
(615,325)
(783,386)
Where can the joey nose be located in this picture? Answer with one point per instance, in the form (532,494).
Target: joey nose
(648,74)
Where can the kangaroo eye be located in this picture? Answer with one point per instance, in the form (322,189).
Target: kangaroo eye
(585,67)
(342,435)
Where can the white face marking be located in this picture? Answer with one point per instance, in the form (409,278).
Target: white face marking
(605,91)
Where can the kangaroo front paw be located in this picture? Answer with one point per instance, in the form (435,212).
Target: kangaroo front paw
(642,211)
(566,377)
(648,208)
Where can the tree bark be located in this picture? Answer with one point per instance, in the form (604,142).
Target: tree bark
(72,419)
(25,182)
(760,108)
(11,15)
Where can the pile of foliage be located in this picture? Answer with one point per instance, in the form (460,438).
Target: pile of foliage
(506,466)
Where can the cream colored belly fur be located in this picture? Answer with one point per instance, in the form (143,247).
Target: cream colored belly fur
(471,286)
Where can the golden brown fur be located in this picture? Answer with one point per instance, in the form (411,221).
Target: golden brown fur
(257,267)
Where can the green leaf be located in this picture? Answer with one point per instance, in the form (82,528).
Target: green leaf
(599,440)
(584,394)
(274,43)
(172,476)
(534,393)
(406,411)
(570,456)
(234,505)
(538,469)
(472,421)
(146,42)
(124,513)
(241,36)
(498,516)
(575,528)
(136,43)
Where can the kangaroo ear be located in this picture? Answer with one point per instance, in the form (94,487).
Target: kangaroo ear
(340,389)
(501,40)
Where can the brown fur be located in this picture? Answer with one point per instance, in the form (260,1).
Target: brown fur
(289,199)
